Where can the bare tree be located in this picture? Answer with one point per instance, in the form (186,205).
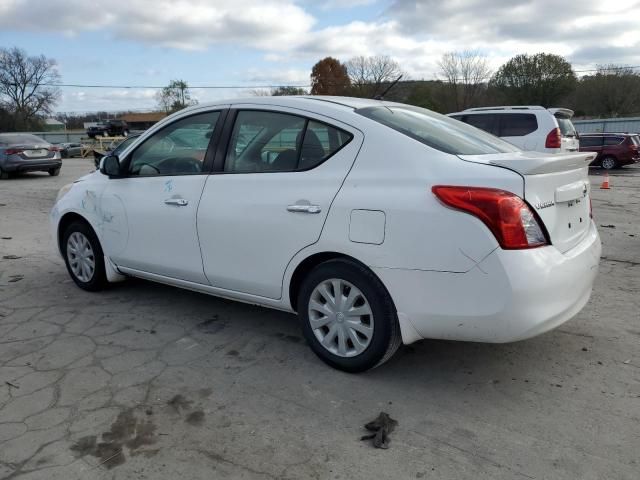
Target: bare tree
(27,86)
(466,74)
(370,76)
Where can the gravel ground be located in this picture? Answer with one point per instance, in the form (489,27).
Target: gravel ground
(148,381)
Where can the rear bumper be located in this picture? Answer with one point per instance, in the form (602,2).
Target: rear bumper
(32,165)
(511,295)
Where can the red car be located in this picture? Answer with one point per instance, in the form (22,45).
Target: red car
(614,150)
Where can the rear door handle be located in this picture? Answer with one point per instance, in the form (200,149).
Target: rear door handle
(304,208)
(178,202)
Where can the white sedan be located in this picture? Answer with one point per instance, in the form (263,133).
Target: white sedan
(378,223)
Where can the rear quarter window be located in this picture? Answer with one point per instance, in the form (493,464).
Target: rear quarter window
(517,124)
(613,140)
(484,121)
(437,131)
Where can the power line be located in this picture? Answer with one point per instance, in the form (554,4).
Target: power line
(249,87)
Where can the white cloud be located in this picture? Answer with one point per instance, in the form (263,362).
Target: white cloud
(180,24)
(414,32)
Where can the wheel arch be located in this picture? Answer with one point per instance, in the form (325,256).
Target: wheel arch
(66,220)
(309,263)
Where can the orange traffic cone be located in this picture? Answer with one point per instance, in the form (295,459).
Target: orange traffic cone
(605,182)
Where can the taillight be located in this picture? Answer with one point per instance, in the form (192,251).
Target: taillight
(509,218)
(554,139)
(13,151)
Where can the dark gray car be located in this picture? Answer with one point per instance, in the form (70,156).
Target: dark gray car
(23,152)
(69,150)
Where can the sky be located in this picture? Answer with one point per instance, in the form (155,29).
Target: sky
(248,43)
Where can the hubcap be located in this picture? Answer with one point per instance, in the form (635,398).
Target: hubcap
(608,163)
(341,318)
(80,256)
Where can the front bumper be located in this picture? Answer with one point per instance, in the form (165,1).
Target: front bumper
(32,165)
(511,295)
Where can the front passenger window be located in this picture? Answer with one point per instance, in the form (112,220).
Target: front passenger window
(177,149)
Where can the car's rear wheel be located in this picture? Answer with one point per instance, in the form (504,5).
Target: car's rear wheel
(609,163)
(54,172)
(4,175)
(83,256)
(347,316)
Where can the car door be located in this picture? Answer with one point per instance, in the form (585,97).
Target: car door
(269,194)
(592,143)
(149,215)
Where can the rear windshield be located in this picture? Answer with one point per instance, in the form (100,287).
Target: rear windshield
(566,127)
(20,139)
(437,131)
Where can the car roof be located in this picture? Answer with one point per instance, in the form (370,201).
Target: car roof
(503,108)
(611,134)
(304,102)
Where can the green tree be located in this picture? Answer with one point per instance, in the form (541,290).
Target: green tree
(175,96)
(27,87)
(329,77)
(287,90)
(540,79)
(612,91)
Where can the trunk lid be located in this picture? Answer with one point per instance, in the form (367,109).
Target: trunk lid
(556,186)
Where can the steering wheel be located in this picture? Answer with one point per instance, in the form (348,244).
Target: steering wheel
(147,165)
(181,165)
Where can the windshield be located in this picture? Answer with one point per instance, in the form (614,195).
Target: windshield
(124,144)
(566,127)
(437,131)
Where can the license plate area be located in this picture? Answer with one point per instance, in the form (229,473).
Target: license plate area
(38,153)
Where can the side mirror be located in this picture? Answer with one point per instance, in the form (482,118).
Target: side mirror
(110,165)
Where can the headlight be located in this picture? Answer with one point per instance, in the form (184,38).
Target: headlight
(63,191)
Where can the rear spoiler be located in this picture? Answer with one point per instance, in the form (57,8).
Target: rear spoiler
(534,163)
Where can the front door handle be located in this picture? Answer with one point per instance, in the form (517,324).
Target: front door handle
(178,202)
(304,208)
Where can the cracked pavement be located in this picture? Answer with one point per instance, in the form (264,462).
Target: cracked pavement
(148,381)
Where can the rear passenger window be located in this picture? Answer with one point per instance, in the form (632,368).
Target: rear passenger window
(278,142)
(517,124)
(487,122)
(590,141)
(613,140)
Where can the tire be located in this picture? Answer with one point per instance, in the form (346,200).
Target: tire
(378,333)
(609,163)
(4,175)
(54,172)
(77,231)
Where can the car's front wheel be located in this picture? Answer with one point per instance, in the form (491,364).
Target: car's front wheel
(609,163)
(347,316)
(83,256)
